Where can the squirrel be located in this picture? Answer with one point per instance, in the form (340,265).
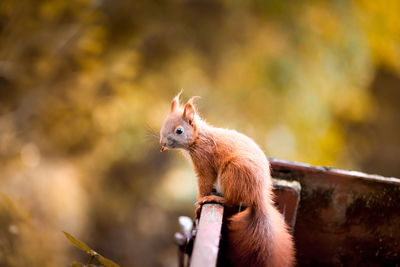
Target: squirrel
(236,167)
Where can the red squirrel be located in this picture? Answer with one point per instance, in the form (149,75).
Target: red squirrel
(235,166)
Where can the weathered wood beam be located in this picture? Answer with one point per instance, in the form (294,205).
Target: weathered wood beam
(206,244)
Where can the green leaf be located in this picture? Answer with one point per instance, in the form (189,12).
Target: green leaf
(87,249)
(106,262)
(80,244)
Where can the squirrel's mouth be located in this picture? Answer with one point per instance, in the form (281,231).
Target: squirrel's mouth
(163,148)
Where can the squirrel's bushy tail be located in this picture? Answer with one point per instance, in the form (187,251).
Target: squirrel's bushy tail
(258,236)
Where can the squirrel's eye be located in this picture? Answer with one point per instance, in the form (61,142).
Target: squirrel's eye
(179,130)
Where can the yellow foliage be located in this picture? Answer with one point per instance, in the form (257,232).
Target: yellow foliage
(86,84)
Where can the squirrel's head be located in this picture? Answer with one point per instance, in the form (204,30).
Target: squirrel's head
(179,128)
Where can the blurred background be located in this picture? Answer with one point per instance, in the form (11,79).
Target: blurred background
(86,84)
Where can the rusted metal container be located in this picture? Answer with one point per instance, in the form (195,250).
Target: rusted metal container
(345,218)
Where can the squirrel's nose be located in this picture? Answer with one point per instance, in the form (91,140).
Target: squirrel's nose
(163,144)
(163,147)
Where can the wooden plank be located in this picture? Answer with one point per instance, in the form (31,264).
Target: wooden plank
(206,244)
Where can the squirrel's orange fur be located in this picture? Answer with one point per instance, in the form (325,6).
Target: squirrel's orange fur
(234,164)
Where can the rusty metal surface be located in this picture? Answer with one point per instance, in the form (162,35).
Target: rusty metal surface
(287,197)
(344,218)
(206,244)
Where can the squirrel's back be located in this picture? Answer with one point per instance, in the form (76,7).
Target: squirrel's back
(230,143)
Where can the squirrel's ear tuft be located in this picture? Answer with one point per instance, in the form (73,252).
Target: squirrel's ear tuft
(188,113)
(175,102)
(192,99)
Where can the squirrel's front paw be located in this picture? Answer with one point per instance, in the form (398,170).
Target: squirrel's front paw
(207,199)
(211,199)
